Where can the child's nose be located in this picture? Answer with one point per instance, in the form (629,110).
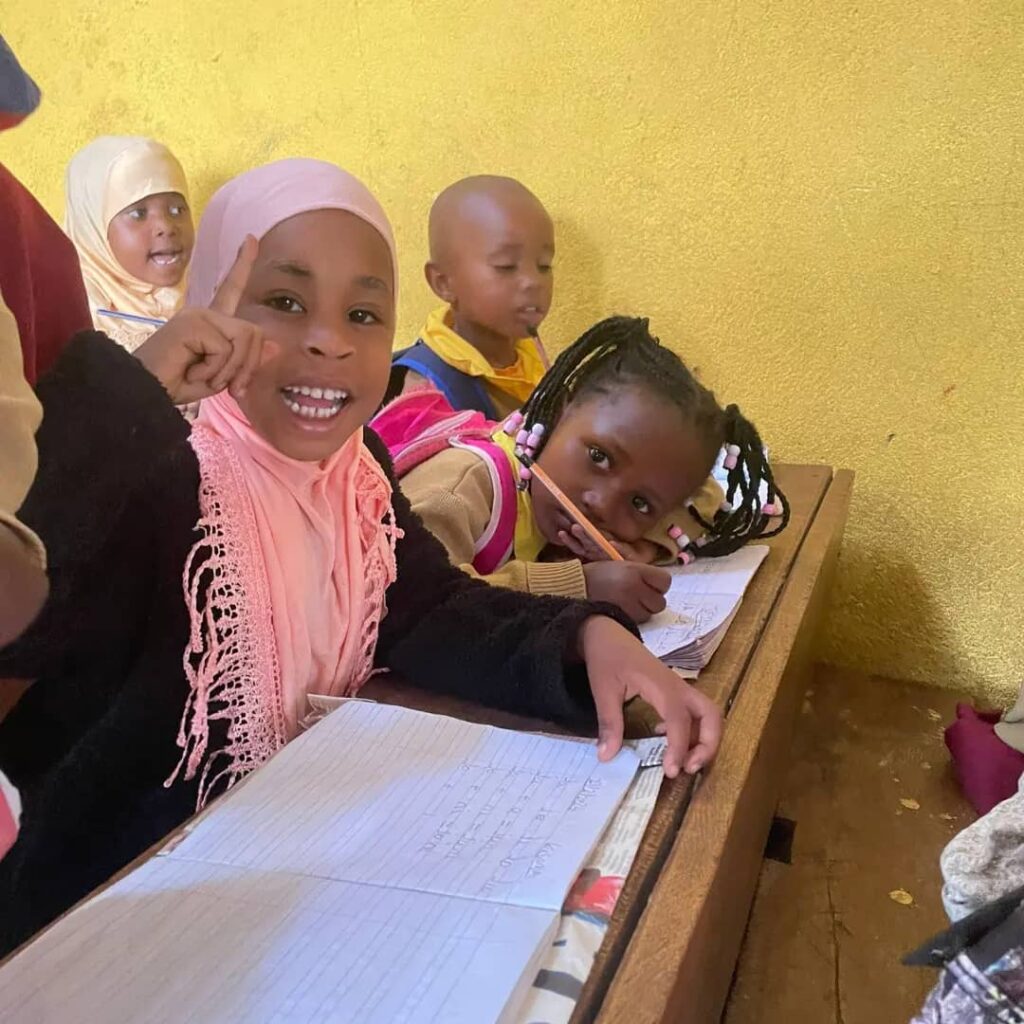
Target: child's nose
(164,225)
(595,505)
(532,279)
(328,341)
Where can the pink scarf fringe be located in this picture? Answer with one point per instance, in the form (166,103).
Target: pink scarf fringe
(231,661)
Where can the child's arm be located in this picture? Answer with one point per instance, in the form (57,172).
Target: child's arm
(453,495)
(547,657)
(23,584)
(107,427)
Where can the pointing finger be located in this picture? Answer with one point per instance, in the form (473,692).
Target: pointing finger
(232,288)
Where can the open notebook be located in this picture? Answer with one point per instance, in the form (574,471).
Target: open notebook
(703,599)
(386,866)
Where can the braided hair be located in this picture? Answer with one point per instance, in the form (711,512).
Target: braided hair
(621,350)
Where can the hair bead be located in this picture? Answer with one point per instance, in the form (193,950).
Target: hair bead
(513,423)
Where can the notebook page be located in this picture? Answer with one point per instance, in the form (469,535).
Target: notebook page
(181,942)
(700,598)
(398,798)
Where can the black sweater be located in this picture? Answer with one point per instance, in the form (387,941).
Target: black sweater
(92,741)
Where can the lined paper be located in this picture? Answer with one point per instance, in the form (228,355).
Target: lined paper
(702,599)
(181,941)
(387,866)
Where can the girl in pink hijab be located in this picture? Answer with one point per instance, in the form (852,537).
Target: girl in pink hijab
(207,579)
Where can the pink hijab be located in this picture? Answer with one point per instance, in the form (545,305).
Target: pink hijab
(285,590)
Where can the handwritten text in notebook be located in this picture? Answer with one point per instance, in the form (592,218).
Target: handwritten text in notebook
(702,599)
(386,866)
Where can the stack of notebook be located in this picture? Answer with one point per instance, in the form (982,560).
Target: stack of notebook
(702,602)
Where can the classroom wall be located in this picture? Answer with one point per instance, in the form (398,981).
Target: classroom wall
(819,205)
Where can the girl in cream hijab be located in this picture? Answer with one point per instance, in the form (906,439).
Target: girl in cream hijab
(128,215)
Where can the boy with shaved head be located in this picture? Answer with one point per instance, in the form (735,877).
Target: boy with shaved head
(491,247)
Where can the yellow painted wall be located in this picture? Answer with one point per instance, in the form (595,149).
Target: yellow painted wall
(820,204)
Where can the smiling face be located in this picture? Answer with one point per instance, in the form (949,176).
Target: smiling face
(322,290)
(152,239)
(626,458)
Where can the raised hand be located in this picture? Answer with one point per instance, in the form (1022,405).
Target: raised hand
(199,352)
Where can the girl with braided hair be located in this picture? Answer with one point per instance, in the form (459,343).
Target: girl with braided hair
(631,436)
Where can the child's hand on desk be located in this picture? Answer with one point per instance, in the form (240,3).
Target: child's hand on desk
(638,589)
(200,352)
(621,668)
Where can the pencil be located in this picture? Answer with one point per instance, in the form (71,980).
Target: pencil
(541,351)
(573,512)
(133,317)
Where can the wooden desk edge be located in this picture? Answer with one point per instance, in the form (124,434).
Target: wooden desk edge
(679,962)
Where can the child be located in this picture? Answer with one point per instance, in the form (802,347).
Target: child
(491,247)
(267,550)
(37,261)
(630,436)
(128,215)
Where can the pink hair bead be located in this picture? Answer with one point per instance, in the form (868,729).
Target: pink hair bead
(701,541)
(772,509)
(726,506)
(732,449)
(513,423)
(685,557)
(675,532)
(523,437)
(524,474)
(533,440)
(730,462)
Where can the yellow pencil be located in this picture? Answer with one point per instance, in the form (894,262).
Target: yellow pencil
(571,510)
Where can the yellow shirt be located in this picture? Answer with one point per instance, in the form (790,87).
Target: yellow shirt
(508,387)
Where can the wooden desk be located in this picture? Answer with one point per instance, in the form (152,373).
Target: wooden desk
(674,937)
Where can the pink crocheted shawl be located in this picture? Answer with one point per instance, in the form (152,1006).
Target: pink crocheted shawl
(285,588)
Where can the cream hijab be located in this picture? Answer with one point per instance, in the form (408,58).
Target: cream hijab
(104,178)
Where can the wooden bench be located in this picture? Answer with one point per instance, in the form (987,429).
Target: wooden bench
(674,937)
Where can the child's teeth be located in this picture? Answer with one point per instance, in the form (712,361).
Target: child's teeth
(314,412)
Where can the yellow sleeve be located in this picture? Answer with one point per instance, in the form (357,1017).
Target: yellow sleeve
(707,501)
(20,416)
(452,493)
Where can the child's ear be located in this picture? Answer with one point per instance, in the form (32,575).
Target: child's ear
(440,283)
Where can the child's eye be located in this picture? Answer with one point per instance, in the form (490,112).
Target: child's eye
(642,505)
(179,210)
(597,456)
(505,268)
(139,213)
(363,316)
(284,304)
(544,268)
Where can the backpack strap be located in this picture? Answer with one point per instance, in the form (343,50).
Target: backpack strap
(495,545)
(461,390)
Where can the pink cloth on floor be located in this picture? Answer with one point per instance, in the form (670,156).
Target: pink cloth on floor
(987,768)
